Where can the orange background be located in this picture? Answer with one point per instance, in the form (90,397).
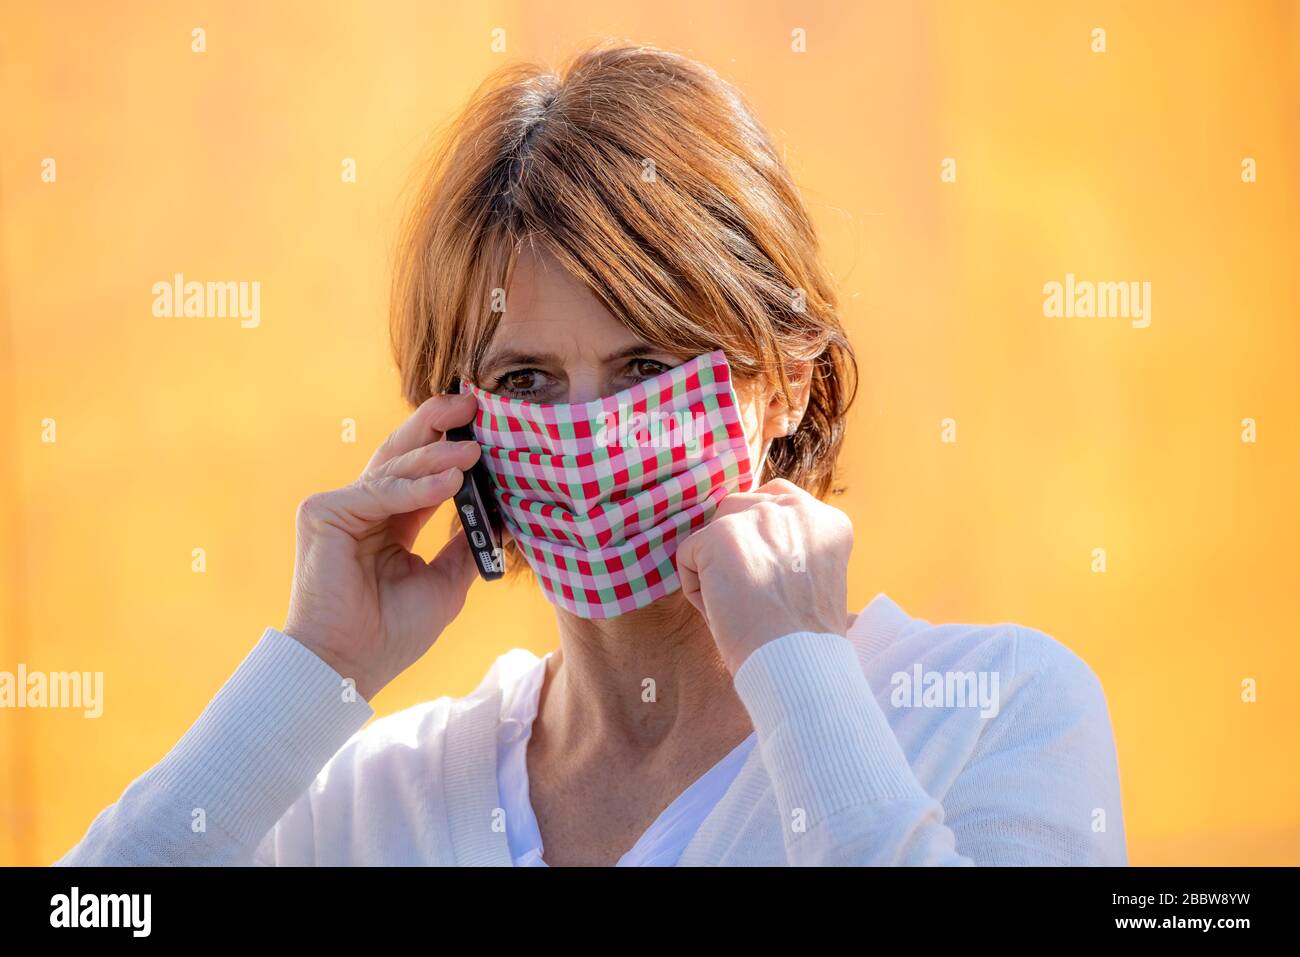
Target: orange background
(1072,433)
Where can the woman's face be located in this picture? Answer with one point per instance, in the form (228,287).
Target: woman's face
(556,342)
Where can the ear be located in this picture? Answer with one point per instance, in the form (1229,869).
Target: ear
(780,419)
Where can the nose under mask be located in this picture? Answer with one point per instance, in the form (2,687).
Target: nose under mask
(599,495)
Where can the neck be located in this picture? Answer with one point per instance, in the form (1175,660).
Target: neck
(639,681)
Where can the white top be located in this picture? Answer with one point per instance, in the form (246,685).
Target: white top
(661,844)
(865,755)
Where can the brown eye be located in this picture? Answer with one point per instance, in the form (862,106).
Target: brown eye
(522,383)
(647,368)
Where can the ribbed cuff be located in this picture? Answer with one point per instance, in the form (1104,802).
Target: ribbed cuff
(826,743)
(263,738)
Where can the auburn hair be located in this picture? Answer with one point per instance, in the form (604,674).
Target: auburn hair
(651,180)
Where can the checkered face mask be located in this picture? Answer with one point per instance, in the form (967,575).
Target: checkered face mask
(599,495)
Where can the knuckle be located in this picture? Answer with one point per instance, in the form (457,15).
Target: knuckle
(311,508)
(781,487)
(696,539)
(728,527)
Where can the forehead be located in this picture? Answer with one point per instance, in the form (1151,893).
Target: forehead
(549,310)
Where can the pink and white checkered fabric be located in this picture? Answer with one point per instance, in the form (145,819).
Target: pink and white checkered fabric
(600,494)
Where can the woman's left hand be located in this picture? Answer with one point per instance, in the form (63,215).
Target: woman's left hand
(771,562)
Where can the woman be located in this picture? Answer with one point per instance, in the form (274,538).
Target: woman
(624,232)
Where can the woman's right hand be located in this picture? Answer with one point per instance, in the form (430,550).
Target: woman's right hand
(361,600)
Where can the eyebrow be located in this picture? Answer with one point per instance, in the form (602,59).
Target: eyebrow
(512,357)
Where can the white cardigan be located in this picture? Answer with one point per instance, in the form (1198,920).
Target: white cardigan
(850,768)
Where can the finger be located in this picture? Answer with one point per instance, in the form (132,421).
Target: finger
(739,501)
(454,566)
(359,507)
(436,415)
(688,571)
(426,460)
(431,458)
(779,487)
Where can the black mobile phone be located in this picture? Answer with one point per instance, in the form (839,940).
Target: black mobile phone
(477,508)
